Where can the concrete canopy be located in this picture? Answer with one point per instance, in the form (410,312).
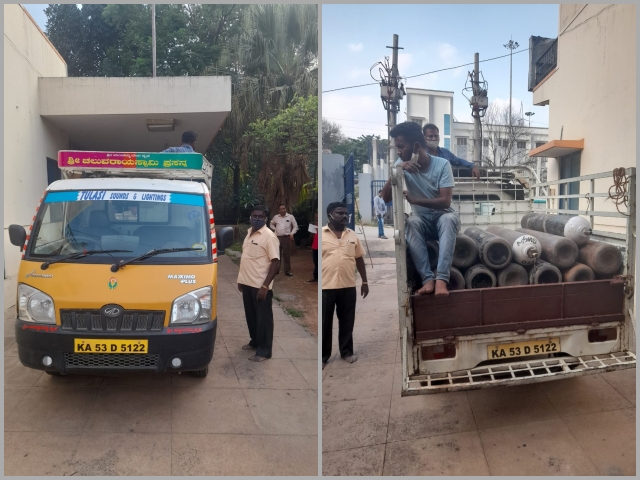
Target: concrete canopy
(557,148)
(111,114)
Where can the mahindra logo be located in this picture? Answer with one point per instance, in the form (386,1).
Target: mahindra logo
(112,311)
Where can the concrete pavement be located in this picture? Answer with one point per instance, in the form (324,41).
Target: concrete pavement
(244,418)
(580,426)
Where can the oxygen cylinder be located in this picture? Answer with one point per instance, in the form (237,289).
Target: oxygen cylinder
(494,251)
(560,251)
(604,259)
(433,251)
(524,248)
(465,253)
(544,272)
(512,275)
(480,276)
(572,227)
(456,279)
(578,273)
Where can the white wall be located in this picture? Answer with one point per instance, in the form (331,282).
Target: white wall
(28,140)
(592,95)
(364,197)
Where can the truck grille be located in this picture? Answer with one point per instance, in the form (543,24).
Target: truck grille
(87,360)
(128,321)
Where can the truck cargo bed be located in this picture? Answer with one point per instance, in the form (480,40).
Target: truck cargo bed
(468,312)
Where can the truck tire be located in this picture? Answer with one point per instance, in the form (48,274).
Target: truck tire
(201,373)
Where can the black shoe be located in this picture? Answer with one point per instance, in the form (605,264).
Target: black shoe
(289,274)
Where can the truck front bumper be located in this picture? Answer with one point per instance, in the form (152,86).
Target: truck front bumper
(193,345)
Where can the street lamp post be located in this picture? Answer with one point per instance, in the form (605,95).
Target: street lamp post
(511,45)
(528,114)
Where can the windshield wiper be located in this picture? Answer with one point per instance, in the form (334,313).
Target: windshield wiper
(152,253)
(85,253)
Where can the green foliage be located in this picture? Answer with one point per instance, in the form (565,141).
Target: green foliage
(360,147)
(295,312)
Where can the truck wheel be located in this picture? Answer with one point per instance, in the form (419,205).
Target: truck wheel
(53,374)
(201,373)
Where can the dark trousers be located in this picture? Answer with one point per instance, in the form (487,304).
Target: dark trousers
(259,320)
(343,301)
(285,252)
(315,263)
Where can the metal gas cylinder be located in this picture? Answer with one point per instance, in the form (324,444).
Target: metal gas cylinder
(578,273)
(604,259)
(465,253)
(456,279)
(544,272)
(560,251)
(480,276)
(525,248)
(512,275)
(433,251)
(494,251)
(572,227)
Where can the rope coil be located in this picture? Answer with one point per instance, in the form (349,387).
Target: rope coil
(621,195)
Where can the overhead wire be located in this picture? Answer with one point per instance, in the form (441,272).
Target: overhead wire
(426,73)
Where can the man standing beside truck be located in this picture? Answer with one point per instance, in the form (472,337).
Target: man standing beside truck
(342,253)
(432,136)
(429,183)
(259,265)
(285,226)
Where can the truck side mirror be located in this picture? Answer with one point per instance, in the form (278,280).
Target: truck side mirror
(224,239)
(17,235)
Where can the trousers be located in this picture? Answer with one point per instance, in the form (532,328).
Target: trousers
(285,252)
(259,315)
(380,225)
(343,302)
(439,226)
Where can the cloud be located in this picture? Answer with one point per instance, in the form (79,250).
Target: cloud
(355,47)
(357,73)
(447,53)
(357,114)
(404,62)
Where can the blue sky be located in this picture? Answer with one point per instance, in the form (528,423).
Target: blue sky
(354,37)
(37,12)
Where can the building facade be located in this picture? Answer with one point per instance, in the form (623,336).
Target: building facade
(587,78)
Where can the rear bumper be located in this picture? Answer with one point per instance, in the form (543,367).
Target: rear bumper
(192,344)
(517,373)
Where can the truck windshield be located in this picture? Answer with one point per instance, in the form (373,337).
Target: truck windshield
(138,221)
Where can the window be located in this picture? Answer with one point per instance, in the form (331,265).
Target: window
(522,145)
(539,144)
(503,142)
(570,168)
(447,124)
(461,147)
(417,120)
(485,142)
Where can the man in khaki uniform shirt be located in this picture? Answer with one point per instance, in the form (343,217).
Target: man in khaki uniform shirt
(259,265)
(342,253)
(285,226)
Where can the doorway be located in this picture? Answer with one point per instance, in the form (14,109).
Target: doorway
(570,168)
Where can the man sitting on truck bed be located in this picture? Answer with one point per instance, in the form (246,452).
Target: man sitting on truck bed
(429,182)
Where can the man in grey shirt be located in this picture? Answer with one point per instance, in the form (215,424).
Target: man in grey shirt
(429,183)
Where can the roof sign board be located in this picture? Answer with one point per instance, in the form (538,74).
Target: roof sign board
(79,160)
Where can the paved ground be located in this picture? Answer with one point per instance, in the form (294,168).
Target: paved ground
(581,426)
(245,418)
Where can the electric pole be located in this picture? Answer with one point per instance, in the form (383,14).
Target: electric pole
(393,94)
(153,37)
(479,103)
(511,45)
(528,114)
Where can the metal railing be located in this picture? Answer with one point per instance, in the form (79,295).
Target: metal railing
(546,62)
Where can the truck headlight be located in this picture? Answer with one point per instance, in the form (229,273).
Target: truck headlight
(193,307)
(35,306)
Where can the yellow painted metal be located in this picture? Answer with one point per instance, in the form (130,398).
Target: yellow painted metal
(134,287)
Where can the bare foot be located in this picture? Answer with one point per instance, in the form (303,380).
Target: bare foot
(441,287)
(426,288)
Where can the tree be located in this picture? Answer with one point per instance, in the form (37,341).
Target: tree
(501,147)
(331,134)
(288,147)
(361,148)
